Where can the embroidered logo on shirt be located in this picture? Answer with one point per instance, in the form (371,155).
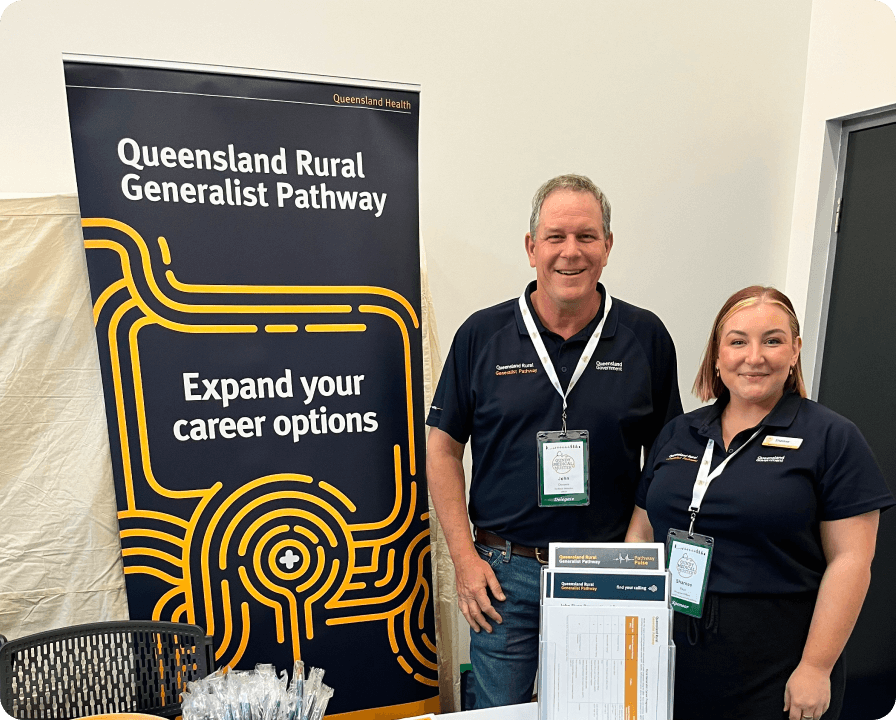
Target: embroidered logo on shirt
(770,458)
(682,456)
(516,369)
(609,365)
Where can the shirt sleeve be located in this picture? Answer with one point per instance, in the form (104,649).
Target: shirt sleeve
(452,404)
(666,396)
(650,464)
(850,482)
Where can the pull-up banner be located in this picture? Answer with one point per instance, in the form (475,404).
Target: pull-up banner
(253,252)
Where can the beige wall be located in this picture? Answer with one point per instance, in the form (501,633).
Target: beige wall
(687,113)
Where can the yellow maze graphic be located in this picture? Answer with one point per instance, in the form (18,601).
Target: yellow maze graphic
(298,553)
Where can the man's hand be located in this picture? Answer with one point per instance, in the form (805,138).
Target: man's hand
(807,693)
(445,472)
(475,578)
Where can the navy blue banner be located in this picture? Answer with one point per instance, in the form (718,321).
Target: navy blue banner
(608,586)
(607,556)
(253,252)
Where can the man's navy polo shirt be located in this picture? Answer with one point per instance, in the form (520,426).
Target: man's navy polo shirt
(494,392)
(764,509)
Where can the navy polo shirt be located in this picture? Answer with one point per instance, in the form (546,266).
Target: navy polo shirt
(765,508)
(494,392)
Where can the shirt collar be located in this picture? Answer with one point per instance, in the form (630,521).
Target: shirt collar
(782,415)
(586,332)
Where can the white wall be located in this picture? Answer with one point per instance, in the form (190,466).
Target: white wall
(687,114)
(851,69)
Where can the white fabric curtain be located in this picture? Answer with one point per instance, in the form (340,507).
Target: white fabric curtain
(60,560)
(448,630)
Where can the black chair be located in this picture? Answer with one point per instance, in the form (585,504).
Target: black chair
(110,667)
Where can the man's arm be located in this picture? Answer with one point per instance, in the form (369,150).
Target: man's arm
(474,576)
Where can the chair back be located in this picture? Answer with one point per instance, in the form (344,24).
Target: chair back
(110,667)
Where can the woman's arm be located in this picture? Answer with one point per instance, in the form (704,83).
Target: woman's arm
(639,529)
(849,548)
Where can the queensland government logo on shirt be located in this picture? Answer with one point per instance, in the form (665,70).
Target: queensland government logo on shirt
(609,365)
(770,458)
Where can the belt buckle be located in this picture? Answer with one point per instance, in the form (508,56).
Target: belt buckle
(538,552)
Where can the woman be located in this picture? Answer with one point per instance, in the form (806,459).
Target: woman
(792,514)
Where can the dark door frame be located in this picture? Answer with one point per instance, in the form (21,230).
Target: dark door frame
(824,248)
(824,245)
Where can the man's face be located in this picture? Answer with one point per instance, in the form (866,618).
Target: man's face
(569,250)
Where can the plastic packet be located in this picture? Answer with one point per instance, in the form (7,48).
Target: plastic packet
(241,695)
(227,689)
(263,685)
(257,695)
(217,706)
(292,707)
(279,699)
(312,685)
(271,691)
(188,707)
(196,705)
(323,695)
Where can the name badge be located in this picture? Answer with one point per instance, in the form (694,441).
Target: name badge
(782,442)
(563,468)
(688,558)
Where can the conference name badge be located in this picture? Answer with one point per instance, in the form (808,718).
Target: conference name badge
(688,559)
(779,441)
(562,468)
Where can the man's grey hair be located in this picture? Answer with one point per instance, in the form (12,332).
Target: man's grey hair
(576,183)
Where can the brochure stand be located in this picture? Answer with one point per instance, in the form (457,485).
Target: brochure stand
(606,649)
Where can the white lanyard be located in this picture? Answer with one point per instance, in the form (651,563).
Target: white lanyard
(546,359)
(704,477)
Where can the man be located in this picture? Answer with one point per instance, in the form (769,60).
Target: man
(499,391)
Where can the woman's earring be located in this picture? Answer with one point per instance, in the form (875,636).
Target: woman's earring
(717,371)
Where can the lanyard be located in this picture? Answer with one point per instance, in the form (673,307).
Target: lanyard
(545,358)
(704,477)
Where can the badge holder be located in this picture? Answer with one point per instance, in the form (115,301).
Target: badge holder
(688,556)
(563,469)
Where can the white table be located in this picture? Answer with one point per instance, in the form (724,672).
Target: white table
(523,711)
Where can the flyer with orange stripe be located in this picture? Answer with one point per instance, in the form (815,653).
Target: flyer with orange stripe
(606,648)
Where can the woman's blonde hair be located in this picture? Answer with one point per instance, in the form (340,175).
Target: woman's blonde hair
(708,384)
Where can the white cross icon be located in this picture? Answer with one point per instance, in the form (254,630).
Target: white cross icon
(289,559)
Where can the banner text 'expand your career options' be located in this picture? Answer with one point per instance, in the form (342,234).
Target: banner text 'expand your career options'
(316,422)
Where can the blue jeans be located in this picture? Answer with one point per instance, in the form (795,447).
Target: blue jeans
(505,660)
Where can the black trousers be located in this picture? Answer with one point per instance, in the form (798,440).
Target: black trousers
(733,663)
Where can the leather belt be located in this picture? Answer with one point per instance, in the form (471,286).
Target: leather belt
(489,539)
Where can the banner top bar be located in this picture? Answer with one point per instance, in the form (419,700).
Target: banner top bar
(232,69)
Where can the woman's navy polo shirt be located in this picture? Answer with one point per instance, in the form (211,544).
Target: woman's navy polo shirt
(765,508)
(494,392)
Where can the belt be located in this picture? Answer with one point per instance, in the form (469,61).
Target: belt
(489,539)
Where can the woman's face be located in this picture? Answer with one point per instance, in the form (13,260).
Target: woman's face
(756,353)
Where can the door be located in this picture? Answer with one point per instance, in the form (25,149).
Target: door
(858,380)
